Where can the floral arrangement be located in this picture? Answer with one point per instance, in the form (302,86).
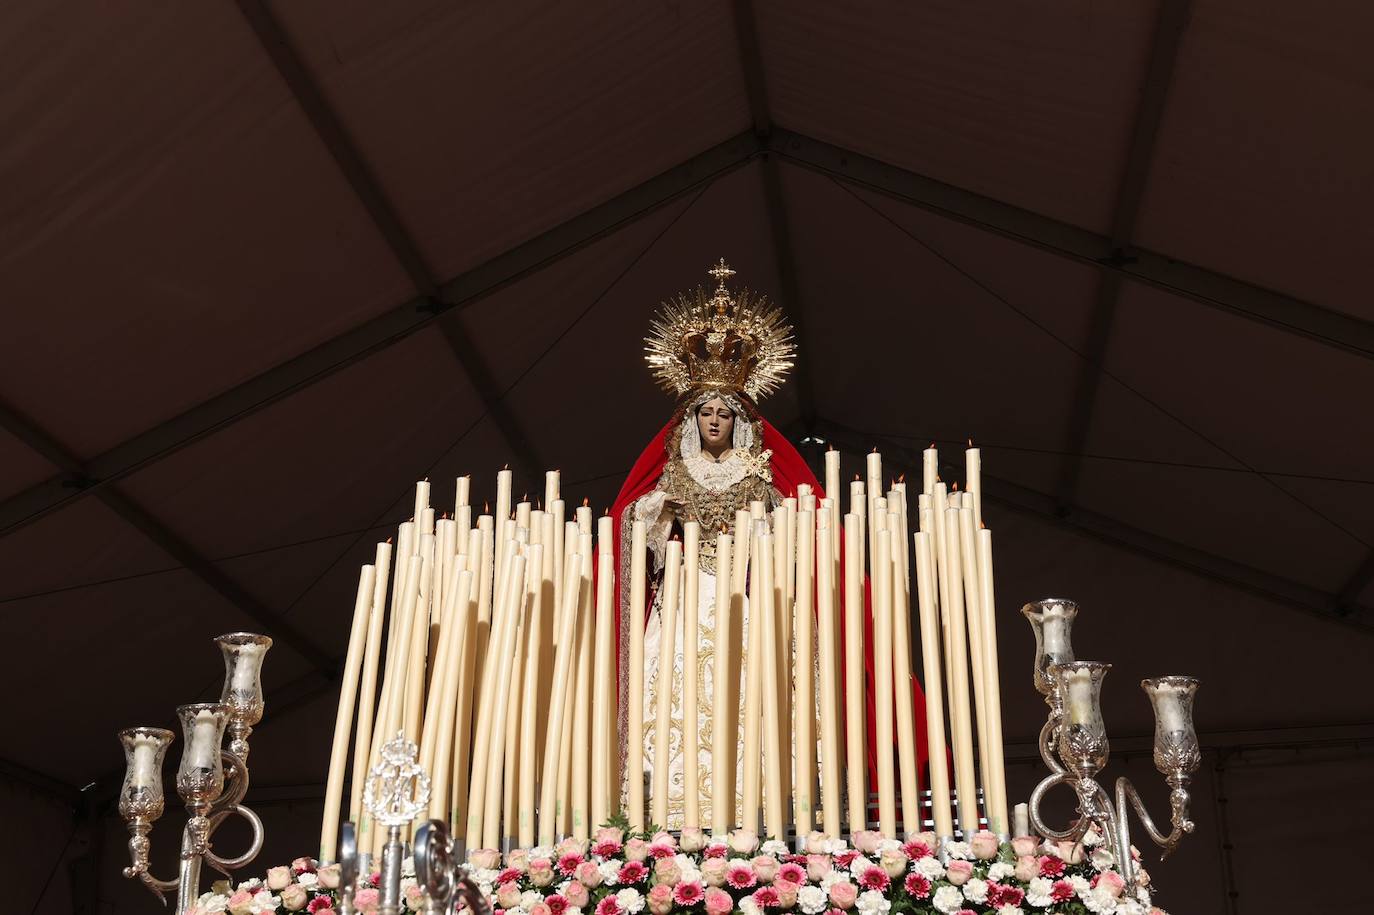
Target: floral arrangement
(616,874)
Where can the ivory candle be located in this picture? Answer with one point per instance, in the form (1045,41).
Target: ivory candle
(753,673)
(882,665)
(584,519)
(462,493)
(854,673)
(467,686)
(1020,820)
(901,675)
(772,710)
(421,499)
(930,469)
(204,748)
(529,698)
(781,684)
(343,719)
(829,673)
(514,751)
(961,727)
(930,665)
(723,738)
(993,703)
(973,483)
(486,712)
(663,714)
(503,506)
(512,594)
(603,729)
(455,637)
(634,736)
(803,691)
(563,662)
(552,486)
(691,815)
(858,507)
(973,610)
(582,703)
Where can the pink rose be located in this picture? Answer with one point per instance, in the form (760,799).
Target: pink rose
(328,876)
(1072,852)
(576,894)
(744,841)
(713,871)
(817,843)
(959,872)
(636,850)
(965,912)
(508,895)
(765,866)
(663,837)
(541,872)
(928,839)
(843,893)
(304,865)
(240,903)
(588,875)
(1113,882)
(278,878)
(984,845)
(325,911)
(1027,869)
(366,900)
(893,861)
(414,897)
(787,893)
(866,840)
(667,871)
(541,908)
(718,902)
(609,834)
(817,866)
(660,899)
(571,846)
(519,859)
(293,897)
(693,839)
(485,858)
(1024,845)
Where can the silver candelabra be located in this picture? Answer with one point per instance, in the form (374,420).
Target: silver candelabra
(1074,745)
(211,780)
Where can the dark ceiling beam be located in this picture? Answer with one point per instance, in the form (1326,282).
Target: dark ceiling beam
(271,623)
(353,346)
(775,202)
(471,360)
(1266,306)
(1159,74)
(1108,530)
(1346,600)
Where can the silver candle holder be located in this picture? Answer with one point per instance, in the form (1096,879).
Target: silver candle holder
(395,793)
(211,780)
(1075,747)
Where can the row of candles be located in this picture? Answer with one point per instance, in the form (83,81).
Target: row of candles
(500,664)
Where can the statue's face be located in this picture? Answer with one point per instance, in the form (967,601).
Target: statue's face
(716,421)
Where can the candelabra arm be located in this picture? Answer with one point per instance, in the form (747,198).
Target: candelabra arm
(1049,734)
(1178,802)
(225,865)
(235,784)
(139,847)
(1074,832)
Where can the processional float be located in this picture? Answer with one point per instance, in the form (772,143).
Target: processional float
(480,705)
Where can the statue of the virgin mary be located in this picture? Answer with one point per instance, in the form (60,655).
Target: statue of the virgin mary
(719,352)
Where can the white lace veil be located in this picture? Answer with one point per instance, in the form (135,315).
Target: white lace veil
(743,434)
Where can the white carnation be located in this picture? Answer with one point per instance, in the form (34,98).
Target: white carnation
(1100,900)
(252,884)
(836,846)
(630,899)
(811,900)
(408,866)
(959,850)
(1039,892)
(872,902)
(948,899)
(1009,910)
(530,897)
(542,851)
(1128,906)
(1102,859)
(1000,870)
(1092,836)
(609,871)
(976,890)
(774,847)
(748,906)
(888,845)
(213,902)
(264,903)
(929,867)
(832,878)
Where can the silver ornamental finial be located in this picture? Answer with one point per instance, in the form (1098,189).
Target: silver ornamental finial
(397,789)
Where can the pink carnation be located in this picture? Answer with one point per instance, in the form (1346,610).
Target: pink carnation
(740,875)
(917,885)
(689,893)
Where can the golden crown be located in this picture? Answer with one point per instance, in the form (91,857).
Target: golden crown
(727,342)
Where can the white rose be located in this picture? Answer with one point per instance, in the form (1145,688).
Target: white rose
(774,847)
(264,903)
(1000,870)
(811,900)
(948,899)
(872,902)
(748,906)
(308,880)
(976,890)
(630,899)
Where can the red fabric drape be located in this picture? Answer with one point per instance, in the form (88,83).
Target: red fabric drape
(789,471)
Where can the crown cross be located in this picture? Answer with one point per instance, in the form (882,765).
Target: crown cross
(721,272)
